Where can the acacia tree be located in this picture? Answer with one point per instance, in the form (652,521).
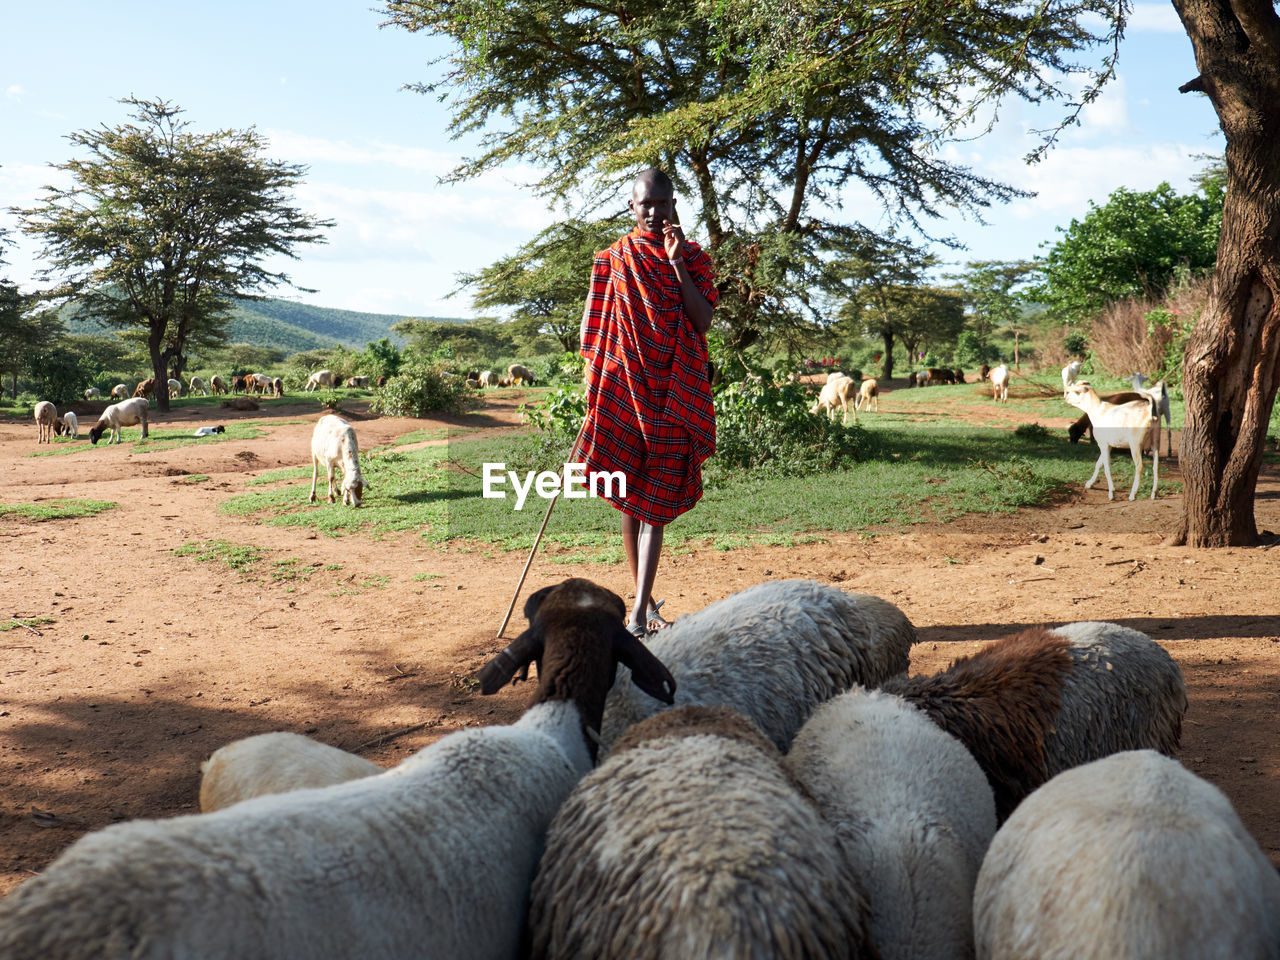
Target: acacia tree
(1232,362)
(761,110)
(988,286)
(162,226)
(879,282)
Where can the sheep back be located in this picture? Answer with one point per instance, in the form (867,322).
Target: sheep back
(773,651)
(1128,856)
(274,763)
(693,844)
(913,812)
(434,856)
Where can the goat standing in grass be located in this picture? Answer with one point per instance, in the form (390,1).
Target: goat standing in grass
(333,443)
(1135,425)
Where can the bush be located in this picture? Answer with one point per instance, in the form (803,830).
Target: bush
(1031,431)
(768,428)
(419,390)
(566,368)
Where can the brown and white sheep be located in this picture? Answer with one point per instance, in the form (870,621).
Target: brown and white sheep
(46,415)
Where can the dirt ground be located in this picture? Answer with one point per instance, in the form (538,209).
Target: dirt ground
(148,661)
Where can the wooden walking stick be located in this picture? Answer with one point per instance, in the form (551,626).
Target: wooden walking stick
(538,539)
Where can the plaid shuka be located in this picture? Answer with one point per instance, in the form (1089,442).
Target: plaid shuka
(649,408)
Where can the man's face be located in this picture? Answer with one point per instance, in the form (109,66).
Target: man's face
(652,204)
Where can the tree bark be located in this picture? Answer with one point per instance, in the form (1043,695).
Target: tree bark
(1232,363)
(159,370)
(887,336)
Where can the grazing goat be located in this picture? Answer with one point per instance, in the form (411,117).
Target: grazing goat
(68,424)
(217,385)
(1135,425)
(488,378)
(358,383)
(868,392)
(120,392)
(145,388)
(959,375)
(277,387)
(175,389)
(197,383)
(333,442)
(46,415)
(519,374)
(92,393)
(126,413)
(321,378)
(837,392)
(1000,383)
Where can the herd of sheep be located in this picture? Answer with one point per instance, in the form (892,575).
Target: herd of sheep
(765,779)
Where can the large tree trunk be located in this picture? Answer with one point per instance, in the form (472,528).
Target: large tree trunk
(159,370)
(1232,362)
(887,336)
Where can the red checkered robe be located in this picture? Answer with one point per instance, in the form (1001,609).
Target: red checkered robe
(649,408)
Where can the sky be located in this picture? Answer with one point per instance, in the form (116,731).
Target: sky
(324,84)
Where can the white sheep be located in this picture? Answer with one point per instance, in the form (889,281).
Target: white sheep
(126,413)
(275,763)
(773,652)
(868,393)
(432,858)
(519,374)
(46,416)
(321,378)
(488,378)
(1160,393)
(912,810)
(92,393)
(333,442)
(690,841)
(1129,856)
(1000,383)
(198,385)
(1069,374)
(175,389)
(120,392)
(217,385)
(1135,425)
(277,386)
(837,392)
(1042,701)
(68,424)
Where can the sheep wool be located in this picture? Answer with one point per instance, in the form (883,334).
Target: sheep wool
(1128,856)
(913,812)
(773,652)
(691,841)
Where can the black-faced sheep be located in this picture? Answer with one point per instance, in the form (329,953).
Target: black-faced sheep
(691,841)
(126,413)
(773,652)
(1129,856)
(913,812)
(1042,701)
(432,857)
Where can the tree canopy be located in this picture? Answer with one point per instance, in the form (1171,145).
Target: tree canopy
(163,225)
(762,113)
(1132,245)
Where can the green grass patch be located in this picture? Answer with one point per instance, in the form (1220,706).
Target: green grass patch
(18,622)
(275,476)
(55,509)
(422,436)
(418,577)
(195,478)
(156,439)
(233,556)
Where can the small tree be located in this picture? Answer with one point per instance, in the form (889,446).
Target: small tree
(162,226)
(989,288)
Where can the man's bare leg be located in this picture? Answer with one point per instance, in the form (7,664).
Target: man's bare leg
(643,544)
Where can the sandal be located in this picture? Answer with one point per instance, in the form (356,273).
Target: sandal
(655,622)
(637,630)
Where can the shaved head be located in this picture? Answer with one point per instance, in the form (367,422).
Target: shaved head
(653,181)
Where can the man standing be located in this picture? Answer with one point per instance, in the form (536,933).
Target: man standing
(649,409)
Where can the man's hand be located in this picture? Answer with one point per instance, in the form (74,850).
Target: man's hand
(672,240)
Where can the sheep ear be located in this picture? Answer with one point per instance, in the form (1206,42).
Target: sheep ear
(524,649)
(647,671)
(535,601)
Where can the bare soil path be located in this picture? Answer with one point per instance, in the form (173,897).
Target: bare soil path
(142,661)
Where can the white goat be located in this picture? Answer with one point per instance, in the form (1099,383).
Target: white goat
(68,424)
(46,415)
(333,442)
(1069,374)
(433,858)
(120,392)
(1135,425)
(126,413)
(1128,856)
(275,763)
(488,378)
(175,388)
(837,392)
(868,393)
(198,384)
(1160,393)
(321,378)
(1000,383)
(92,393)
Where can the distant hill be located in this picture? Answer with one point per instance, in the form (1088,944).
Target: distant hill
(290,326)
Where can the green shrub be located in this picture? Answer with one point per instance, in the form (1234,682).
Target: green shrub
(419,390)
(1030,431)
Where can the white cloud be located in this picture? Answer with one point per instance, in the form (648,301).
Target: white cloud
(14,92)
(300,148)
(1154,18)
